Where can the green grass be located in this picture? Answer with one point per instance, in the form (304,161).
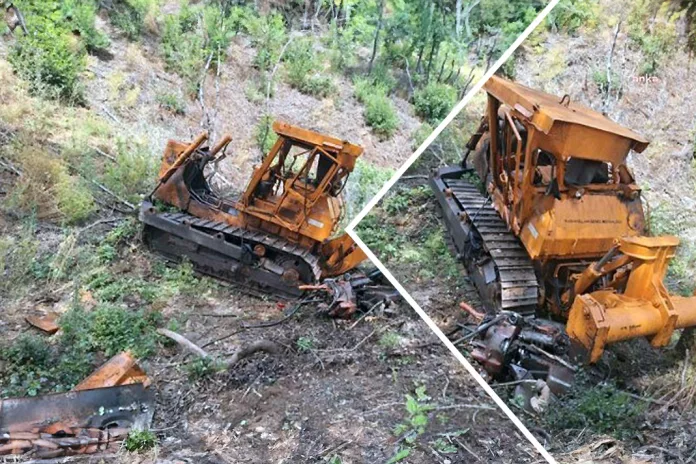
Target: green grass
(601,409)
(140,440)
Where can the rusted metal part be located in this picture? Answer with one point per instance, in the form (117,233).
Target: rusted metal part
(352,292)
(77,422)
(65,443)
(525,349)
(343,303)
(122,369)
(123,406)
(45,323)
(479,316)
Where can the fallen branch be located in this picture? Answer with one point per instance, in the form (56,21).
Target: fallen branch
(106,190)
(184,342)
(245,351)
(104,154)
(10,167)
(241,353)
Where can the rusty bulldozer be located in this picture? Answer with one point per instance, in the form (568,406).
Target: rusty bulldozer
(279,236)
(550,225)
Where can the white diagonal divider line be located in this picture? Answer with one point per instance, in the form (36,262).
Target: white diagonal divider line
(350,229)
(457,354)
(457,109)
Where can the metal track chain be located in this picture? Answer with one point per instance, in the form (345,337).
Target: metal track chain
(518,283)
(270,241)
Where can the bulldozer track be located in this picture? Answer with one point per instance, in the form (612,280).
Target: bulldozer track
(217,249)
(518,285)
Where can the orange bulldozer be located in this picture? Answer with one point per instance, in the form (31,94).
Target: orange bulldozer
(550,224)
(279,234)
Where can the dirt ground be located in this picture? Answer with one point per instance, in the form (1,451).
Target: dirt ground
(337,389)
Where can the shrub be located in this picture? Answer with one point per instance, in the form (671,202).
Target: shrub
(571,15)
(182,48)
(381,116)
(302,69)
(341,45)
(365,87)
(114,329)
(268,36)
(656,43)
(81,15)
(172,102)
(74,198)
(265,137)
(133,173)
(602,409)
(17,256)
(363,184)
(434,101)
(51,61)
(140,440)
(130,16)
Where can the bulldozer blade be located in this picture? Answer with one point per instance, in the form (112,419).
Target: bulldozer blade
(122,369)
(127,406)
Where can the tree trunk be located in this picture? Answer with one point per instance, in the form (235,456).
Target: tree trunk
(376,42)
(434,50)
(458,24)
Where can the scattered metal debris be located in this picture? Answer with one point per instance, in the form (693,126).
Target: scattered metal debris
(77,422)
(45,323)
(93,417)
(122,369)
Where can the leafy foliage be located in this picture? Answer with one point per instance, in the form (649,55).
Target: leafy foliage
(133,172)
(50,59)
(380,115)
(268,36)
(140,440)
(434,102)
(363,184)
(653,28)
(265,137)
(416,419)
(130,15)
(304,69)
(601,408)
(571,15)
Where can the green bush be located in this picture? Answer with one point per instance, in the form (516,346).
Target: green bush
(133,173)
(265,137)
(366,87)
(381,116)
(51,61)
(363,184)
(172,102)
(114,329)
(658,42)
(268,36)
(434,101)
(601,409)
(303,69)
(571,15)
(341,45)
(140,440)
(17,256)
(82,14)
(74,199)
(129,16)
(183,48)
